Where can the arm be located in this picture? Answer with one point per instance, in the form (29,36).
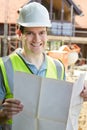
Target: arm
(8,107)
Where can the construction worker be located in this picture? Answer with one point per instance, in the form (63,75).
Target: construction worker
(33,23)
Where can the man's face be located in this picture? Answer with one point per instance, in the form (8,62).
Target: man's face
(34,39)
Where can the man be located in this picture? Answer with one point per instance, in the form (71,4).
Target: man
(33,22)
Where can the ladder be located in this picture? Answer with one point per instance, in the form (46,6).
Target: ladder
(12,44)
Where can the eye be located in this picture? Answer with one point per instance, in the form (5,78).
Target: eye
(42,32)
(28,33)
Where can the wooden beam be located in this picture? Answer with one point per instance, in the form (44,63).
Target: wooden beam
(68,39)
(79,40)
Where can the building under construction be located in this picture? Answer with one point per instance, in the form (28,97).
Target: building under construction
(68,19)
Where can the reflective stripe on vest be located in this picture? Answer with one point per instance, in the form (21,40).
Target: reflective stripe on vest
(60,69)
(5,78)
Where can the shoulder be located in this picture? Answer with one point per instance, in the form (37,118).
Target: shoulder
(4,60)
(56,61)
(59,66)
(59,62)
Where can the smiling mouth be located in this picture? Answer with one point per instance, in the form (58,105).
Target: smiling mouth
(36,45)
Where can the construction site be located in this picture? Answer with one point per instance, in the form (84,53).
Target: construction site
(67,38)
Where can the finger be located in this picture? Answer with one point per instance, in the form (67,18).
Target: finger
(12,108)
(85,99)
(12,100)
(12,103)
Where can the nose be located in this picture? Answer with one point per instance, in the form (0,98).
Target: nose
(37,38)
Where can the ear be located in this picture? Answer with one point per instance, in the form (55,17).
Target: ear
(18,32)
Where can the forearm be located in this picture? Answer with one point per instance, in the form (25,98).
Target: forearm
(3,117)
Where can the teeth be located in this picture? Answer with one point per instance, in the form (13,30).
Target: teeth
(36,45)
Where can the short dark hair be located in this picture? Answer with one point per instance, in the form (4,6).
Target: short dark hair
(21,29)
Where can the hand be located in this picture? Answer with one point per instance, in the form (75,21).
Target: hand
(84,94)
(11,107)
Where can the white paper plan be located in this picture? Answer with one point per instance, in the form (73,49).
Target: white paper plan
(49,104)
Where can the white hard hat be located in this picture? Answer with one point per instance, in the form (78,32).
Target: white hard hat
(34,15)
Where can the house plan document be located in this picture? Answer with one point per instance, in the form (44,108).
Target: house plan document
(49,104)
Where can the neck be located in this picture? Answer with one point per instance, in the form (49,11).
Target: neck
(36,60)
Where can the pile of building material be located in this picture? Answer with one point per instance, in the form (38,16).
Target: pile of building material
(72,77)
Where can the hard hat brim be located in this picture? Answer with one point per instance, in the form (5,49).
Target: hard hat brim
(35,24)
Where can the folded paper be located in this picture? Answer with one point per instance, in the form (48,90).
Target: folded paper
(49,104)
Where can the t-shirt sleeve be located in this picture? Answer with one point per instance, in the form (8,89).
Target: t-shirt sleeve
(2,88)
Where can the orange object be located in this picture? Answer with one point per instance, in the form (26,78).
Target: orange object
(70,48)
(63,52)
(61,55)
